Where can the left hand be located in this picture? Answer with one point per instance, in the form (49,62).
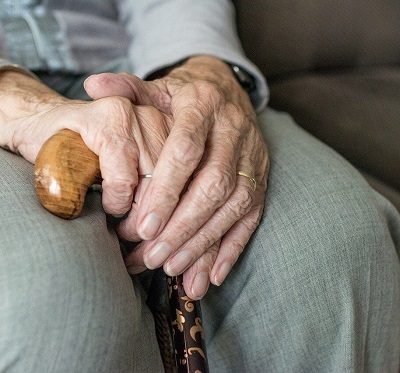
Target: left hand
(200,231)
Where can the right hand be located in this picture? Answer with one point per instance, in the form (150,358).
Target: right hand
(112,128)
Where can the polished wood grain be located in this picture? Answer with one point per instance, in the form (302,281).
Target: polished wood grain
(65,168)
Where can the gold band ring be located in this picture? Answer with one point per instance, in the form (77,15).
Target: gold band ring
(251,178)
(146,176)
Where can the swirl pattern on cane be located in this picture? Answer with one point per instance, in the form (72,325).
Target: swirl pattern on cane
(179,321)
(197,328)
(191,350)
(189,306)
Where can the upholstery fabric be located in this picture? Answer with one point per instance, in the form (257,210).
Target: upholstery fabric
(283,36)
(357,112)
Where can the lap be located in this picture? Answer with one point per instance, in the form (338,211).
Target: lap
(321,274)
(64,284)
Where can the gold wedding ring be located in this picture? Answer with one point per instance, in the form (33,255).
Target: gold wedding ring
(251,178)
(146,176)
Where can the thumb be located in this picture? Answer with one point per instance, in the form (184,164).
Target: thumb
(137,90)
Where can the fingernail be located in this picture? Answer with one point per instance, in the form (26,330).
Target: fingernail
(178,263)
(222,273)
(85,81)
(157,255)
(134,270)
(200,285)
(150,226)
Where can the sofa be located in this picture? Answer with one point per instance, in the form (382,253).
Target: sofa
(335,67)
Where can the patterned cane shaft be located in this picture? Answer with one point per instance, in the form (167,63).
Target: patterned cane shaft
(188,333)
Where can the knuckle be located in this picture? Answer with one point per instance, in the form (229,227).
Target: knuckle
(119,190)
(206,239)
(213,251)
(204,263)
(252,222)
(236,117)
(119,102)
(245,199)
(167,196)
(114,208)
(117,105)
(216,188)
(207,260)
(115,115)
(189,152)
(234,113)
(237,248)
(117,140)
(120,187)
(196,112)
(208,90)
(205,87)
(184,228)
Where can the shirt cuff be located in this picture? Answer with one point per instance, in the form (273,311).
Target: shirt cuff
(170,57)
(167,35)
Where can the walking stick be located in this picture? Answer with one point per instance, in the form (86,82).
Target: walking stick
(65,169)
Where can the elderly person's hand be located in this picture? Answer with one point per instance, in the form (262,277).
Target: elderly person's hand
(113,128)
(202,230)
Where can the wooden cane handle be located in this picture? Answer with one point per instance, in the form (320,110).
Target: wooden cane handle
(65,168)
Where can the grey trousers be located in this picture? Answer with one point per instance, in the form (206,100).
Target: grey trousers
(316,290)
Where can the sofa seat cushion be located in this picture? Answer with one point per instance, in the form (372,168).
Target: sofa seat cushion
(357,112)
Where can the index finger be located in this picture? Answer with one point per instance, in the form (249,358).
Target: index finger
(118,153)
(179,158)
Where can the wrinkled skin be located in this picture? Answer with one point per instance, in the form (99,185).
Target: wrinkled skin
(196,214)
(117,136)
(113,128)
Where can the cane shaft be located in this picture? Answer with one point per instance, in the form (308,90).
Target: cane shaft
(188,332)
